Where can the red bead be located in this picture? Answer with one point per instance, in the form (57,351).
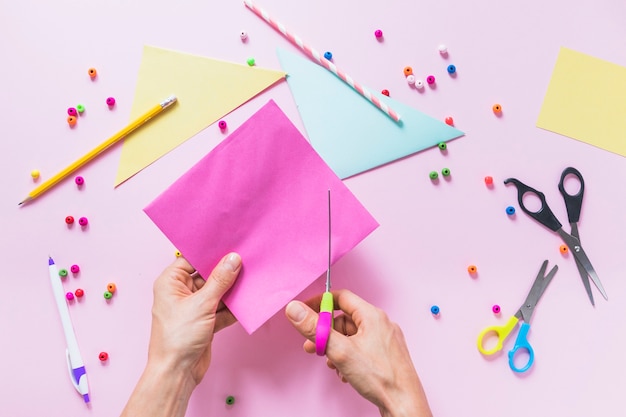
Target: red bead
(385,93)
(79,293)
(103,356)
(449,121)
(69,220)
(489,181)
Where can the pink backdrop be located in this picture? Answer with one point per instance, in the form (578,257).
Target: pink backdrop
(504,52)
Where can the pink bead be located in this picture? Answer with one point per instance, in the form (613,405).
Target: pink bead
(72,111)
(79,180)
(222,124)
(495,309)
(110,102)
(69,295)
(75,269)
(378,33)
(83,221)
(430,79)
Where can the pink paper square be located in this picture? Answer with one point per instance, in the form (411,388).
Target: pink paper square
(262,192)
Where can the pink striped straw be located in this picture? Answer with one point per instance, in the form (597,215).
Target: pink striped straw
(312,53)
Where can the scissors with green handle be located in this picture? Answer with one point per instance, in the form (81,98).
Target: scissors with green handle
(325,320)
(524,313)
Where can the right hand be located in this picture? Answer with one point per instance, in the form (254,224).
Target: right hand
(368,351)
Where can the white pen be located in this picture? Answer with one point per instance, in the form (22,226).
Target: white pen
(75,365)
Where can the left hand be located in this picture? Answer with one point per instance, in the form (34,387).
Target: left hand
(187,312)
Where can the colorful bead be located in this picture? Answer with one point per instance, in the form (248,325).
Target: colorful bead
(110,101)
(69,295)
(451,69)
(410,79)
(445,172)
(563,249)
(419,84)
(230,400)
(79,180)
(80,108)
(107,295)
(430,79)
(497,109)
(103,356)
(83,221)
(178,254)
(63,273)
(408,71)
(69,220)
(443,49)
(378,33)
(251,62)
(72,111)
(433,175)
(243,35)
(71,120)
(495,309)
(510,210)
(111,287)
(472,269)
(92,73)
(443,146)
(488,181)
(449,121)
(222,124)
(79,293)
(35,174)
(328,55)
(435,310)
(75,269)
(385,93)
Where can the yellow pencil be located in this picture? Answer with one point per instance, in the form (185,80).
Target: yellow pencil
(99,149)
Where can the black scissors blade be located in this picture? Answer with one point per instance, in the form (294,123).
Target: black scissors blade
(581,269)
(536,291)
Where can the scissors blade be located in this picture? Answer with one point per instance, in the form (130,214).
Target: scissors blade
(581,269)
(536,291)
(579,253)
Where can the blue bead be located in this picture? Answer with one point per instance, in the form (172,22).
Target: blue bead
(434,310)
(328,55)
(451,69)
(510,210)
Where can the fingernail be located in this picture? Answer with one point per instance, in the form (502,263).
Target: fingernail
(232,261)
(295,311)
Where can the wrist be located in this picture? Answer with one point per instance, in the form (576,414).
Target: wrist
(406,404)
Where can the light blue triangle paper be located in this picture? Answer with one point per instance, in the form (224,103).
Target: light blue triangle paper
(346,130)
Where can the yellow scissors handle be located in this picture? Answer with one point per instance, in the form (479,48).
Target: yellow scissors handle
(501,332)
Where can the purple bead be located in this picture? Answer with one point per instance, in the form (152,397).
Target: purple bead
(72,111)
(222,124)
(75,269)
(110,102)
(378,33)
(79,180)
(83,221)
(430,79)
(69,295)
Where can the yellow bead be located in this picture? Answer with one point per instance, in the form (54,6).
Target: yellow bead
(178,254)
(34,173)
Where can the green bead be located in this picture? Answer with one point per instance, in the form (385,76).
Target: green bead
(443,146)
(108,295)
(251,61)
(63,273)
(80,108)
(433,175)
(230,400)
(445,172)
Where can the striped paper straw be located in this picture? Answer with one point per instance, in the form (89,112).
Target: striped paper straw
(312,53)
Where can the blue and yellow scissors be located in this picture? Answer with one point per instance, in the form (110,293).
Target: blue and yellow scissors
(544,215)
(325,320)
(524,313)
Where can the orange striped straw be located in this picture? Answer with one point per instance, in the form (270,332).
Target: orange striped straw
(312,53)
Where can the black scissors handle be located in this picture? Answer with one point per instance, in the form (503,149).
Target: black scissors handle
(573,203)
(544,215)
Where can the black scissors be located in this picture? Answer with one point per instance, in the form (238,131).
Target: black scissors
(544,215)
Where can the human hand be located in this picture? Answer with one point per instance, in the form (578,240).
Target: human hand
(368,351)
(187,312)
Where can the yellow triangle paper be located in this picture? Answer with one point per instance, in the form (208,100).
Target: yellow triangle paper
(207,89)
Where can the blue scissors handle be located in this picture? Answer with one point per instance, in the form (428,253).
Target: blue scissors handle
(521,343)
(574,202)
(544,215)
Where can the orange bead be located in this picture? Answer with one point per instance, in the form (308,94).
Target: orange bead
(111,287)
(472,269)
(497,109)
(71,120)
(92,72)
(563,249)
(408,71)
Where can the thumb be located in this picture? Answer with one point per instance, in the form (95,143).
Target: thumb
(303,318)
(221,279)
